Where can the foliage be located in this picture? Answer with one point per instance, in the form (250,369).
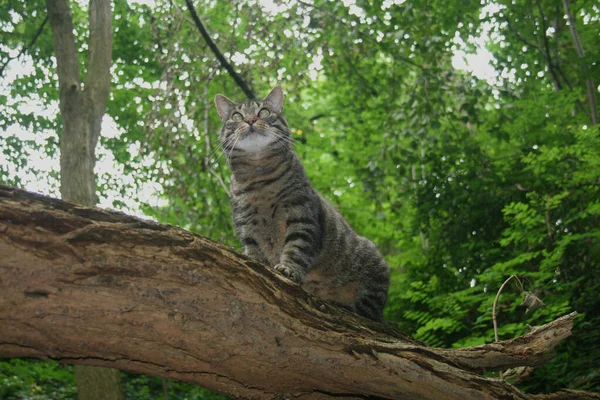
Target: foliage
(20,379)
(49,380)
(461,182)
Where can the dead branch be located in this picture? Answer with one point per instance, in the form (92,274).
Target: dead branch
(94,287)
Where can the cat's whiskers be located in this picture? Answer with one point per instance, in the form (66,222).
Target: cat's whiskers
(223,152)
(277,134)
(289,139)
(282,137)
(282,146)
(214,151)
(232,147)
(227,147)
(215,143)
(223,147)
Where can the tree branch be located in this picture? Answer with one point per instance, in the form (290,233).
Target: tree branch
(589,82)
(88,286)
(26,47)
(224,63)
(547,53)
(528,350)
(97,81)
(542,51)
(67,62)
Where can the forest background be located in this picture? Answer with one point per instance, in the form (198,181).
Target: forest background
(460,181)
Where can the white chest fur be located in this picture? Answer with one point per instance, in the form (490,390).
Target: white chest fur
(254,142)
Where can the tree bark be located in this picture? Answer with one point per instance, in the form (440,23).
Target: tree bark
(94,287)
(82,109)
(77,157)
(590,87)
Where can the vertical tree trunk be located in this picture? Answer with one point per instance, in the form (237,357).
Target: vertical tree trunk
(82,109)
(590,88)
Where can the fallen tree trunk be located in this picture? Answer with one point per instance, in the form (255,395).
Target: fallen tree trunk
(88,286)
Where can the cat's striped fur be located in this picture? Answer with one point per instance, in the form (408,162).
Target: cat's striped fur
(284,222)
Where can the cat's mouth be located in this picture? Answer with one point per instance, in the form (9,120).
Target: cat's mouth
(252,130)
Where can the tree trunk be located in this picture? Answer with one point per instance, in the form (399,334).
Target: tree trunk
(590,87)
(93,287)
(82,109)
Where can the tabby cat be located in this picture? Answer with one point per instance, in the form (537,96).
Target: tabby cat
(283,222)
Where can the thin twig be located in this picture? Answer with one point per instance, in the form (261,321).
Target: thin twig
(25,48)
(519,36)
(557,55)
(547,53)
(589,83)
(496,303)
(224,63)
(555,80)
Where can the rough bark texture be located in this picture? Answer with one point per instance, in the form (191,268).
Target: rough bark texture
(82,109)
(98,383)
(93,287)
(76,151)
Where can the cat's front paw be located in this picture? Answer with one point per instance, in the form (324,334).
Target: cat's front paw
(288,272)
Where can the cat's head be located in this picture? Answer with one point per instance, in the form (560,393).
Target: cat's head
(255,125)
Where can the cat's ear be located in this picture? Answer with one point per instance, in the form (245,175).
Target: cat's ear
(224,106)
(275,99)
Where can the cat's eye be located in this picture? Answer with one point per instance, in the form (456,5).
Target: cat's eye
(264,113)
(237,117)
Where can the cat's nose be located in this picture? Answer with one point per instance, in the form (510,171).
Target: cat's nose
(251,120)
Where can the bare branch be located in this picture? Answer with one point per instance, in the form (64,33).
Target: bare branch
(542,51)
(519,36)
(557,55)
(26,47)
(547,54)
(496,303)
(530,350)
(224,63)
(589,82)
